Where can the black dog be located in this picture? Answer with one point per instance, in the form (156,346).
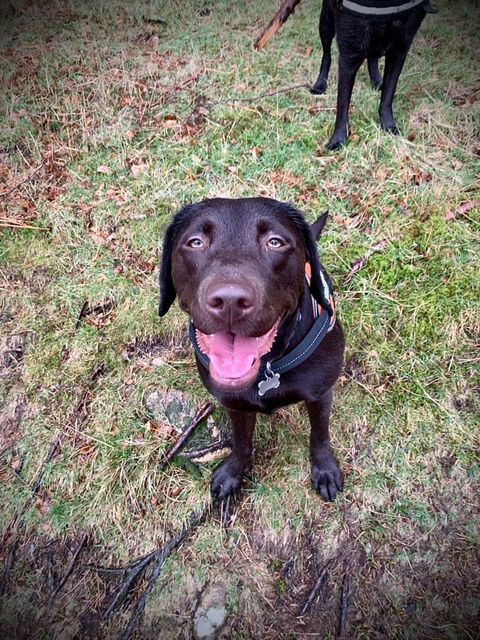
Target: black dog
(367,29)
(263,329)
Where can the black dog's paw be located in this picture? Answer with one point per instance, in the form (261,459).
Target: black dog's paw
(391,128)
(387,122)
(336,141)
(319,87)
(227,478)
(327,479)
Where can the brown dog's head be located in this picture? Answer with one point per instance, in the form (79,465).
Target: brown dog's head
(238,269)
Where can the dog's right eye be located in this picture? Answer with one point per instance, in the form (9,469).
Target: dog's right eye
(195,243)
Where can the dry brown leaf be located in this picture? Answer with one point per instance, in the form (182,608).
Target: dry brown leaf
(98,237)
(137,169)
(104,169)
(361,262)
(460,210)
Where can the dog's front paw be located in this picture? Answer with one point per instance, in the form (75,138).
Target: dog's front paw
(327,479)
(336,141)
(391,128)
(319,87)
(388,123)
(227,478)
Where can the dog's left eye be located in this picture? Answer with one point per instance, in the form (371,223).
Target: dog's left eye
(275,243)
(195,243)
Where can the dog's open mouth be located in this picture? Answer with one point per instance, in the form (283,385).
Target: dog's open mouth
(235,359)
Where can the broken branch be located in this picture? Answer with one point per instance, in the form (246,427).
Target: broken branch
(70,567)
(201,414)
(344,604)
(316,587)
(286,9)
(161,556)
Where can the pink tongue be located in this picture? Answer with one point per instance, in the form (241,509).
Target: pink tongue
(232,356)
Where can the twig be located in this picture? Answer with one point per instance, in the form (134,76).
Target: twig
(81,314)
(161,556)
(54,446)
(87,310)
(70,567)
(10,223)
(201,414)
(191,454)
(344,604)
(316,587)
(9,562)
(4,194)
(269,94)
(287,7)
(131,574)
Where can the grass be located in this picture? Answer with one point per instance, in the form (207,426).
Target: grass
(111,121)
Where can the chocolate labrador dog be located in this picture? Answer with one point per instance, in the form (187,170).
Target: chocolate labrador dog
(262,321)
(367,29)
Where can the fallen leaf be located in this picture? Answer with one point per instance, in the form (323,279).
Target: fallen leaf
(104,169)
(460,210)
(137,169)
(162,429)
(421,177)
(98,237)
(16,464)
(362,261)
(42,505)
(87,450)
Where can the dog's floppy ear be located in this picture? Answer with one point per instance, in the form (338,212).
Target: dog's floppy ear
(320,284)
(318,225)
(167,288)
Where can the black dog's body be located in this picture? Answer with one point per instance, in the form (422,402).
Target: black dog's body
(269,288)
(360,37)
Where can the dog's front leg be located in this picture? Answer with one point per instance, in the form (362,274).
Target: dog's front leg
(327,478)
(374,73)
(327,33)
(348,66)
(394,61)
(227,477)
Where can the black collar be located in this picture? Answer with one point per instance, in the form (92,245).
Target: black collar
(269,375)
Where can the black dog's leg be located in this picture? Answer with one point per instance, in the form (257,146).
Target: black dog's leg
(374,73)
(227,477)
(327,478)
(394,62)
(347,70)
(327,33)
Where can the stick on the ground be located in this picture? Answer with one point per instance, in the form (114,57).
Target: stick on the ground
(344,604)
(4,194)
(54,446)
(201,414)
(132,573)
(70,567)
(286,9)
(8,566)
(158,556)
(316,587)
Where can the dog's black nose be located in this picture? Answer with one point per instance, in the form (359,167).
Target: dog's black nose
(230,301)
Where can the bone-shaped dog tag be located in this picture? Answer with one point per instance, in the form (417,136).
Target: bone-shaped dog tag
(270,382)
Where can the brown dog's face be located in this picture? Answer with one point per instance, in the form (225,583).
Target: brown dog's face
(237,267)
